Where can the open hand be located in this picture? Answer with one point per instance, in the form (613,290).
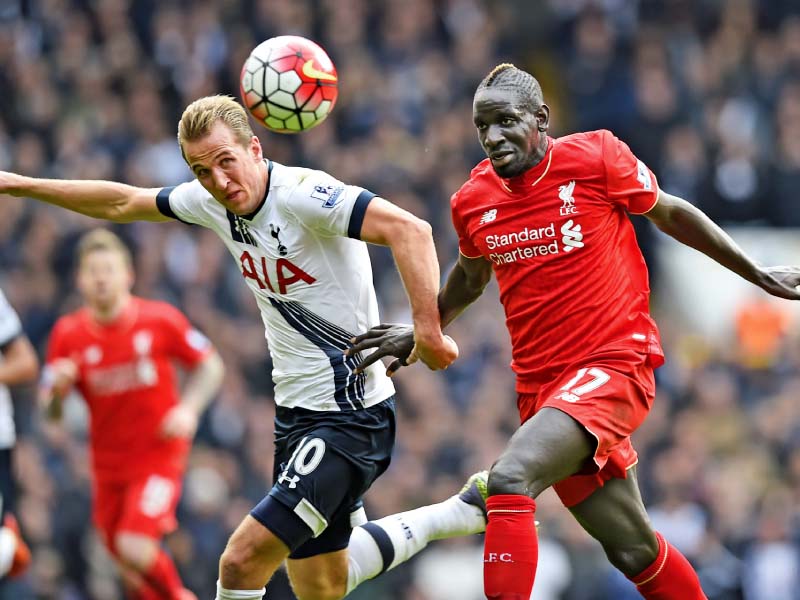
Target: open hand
(390,339)
(397,340)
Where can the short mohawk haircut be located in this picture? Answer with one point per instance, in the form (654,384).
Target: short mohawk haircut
(508,76)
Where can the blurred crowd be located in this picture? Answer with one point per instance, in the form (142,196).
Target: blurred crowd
(706,92)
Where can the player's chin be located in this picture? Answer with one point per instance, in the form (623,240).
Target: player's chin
(509,170)
(239,204)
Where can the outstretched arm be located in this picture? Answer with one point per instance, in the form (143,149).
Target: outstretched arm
(689,225)
(99,199)
(465,283)
(411,242)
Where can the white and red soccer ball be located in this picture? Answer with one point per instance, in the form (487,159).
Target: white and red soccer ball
(289,84)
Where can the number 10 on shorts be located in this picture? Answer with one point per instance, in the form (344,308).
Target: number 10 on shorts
(589,379)
(305,458)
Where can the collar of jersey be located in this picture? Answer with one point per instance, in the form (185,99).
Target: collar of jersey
(261,204)
(533,175)
(125,318)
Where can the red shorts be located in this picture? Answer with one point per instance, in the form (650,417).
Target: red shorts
(610,396)
(145,506)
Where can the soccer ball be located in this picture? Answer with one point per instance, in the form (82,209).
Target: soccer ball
(288,83)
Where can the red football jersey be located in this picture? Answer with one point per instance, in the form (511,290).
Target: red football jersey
(572,278)
(127,378)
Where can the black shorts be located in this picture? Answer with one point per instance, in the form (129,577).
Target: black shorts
(8,488)
(324,463)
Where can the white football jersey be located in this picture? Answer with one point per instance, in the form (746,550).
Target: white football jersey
(300,255)
(10,329)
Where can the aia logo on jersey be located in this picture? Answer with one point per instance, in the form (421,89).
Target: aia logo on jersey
(565,194)
(488,217)
(286,273)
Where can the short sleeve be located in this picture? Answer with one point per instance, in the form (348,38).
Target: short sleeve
(184,343)
(187,202)
(328,206)
(10,325)
(465,245)
(629,182)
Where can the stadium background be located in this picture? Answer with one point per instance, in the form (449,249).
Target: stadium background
(706,92)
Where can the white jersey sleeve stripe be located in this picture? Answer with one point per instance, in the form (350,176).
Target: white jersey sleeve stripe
(357,216)
(348,390)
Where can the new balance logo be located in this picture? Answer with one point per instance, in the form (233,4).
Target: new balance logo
(488,216)
(571,236)
(565,194)
(495,557)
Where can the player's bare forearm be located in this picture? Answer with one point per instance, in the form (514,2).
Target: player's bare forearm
(691,226)
(411,241)
(20,364)
(203,383)
(415,256)
(107,200)
(465,283)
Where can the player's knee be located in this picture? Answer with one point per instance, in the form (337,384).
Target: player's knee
(237,562)
(632,558)
(508,476)
(135,551)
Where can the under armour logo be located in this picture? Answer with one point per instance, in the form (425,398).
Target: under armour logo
(242,227)
(292,480)
(274,232)
(488,216)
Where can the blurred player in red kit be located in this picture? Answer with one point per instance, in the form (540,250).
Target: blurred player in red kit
(548,216)
(118,351)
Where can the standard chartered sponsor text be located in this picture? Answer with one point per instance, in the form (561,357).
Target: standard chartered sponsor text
(544,234)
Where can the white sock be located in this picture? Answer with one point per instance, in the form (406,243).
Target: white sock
(8,545)
(223,594)
(396,538)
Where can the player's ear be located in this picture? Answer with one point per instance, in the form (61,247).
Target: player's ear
(543,118)
(255,148)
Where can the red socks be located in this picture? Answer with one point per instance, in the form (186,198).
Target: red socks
(511,548)
(670,577)
(163,578)
(511,552)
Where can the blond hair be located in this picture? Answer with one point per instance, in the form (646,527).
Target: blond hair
(98,240)
(200,116)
